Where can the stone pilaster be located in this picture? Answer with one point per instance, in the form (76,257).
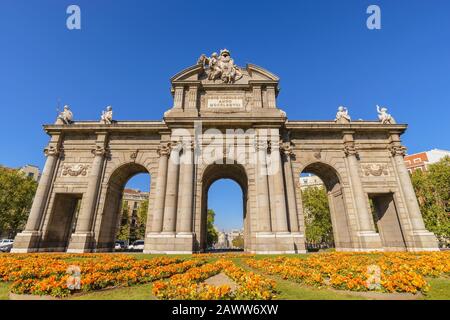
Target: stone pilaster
(178,98)
(369,239)
(187,187)
(290,188)
(82,239)
(170,207)
(279,192)
(271,97)
(262,188)
(257,97)
(422,238)
(158,208)
(191,105)
(28,240)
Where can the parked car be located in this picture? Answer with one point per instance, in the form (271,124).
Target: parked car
(138,245)
(120,245)
(6,245)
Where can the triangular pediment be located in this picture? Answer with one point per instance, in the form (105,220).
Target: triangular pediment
(250,72)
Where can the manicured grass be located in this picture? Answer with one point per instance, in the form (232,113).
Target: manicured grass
(440,289)
(140,292)
(4,291)
(289,290)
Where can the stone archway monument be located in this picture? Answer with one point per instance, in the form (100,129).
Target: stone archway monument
(224,123)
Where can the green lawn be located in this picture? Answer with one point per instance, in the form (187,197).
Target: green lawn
(440,289)
(140,292)
(4,291)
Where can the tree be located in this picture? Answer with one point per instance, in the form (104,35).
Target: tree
(124,229)
(317,215)
(16,197)
(211,232)
(238,242)
(142,220)
(433,193)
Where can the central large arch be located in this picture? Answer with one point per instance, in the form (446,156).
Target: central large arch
(212,173)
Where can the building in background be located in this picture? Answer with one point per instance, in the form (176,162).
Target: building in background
(421,160)
(31,171)
(225,239)
(131,202)
(309,180)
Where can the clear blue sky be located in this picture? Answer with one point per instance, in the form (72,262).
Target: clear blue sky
(126,52)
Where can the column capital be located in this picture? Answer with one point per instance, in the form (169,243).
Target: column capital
(286,149)
(52,151)
(99,151)
(164,149)
(397,150)
(350,149)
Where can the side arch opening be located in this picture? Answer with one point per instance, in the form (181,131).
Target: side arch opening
(325,212)
(124,213)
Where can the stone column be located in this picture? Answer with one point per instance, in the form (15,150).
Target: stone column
(362,212)
(422,239)
(28,239)
(82,239)
(89,201)
(262,188)
(398,152)
(170,207)
(187,187)
(45,182)
(158,209)
(276,169)
(290,189)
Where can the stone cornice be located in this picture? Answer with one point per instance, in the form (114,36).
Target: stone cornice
(353,126)
(119,126)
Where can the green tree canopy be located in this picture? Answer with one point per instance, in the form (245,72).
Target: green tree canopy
(317,215)
(238,242)
(16,198)
(432,188)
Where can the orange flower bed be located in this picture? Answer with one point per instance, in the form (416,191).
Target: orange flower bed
(47,274)
(189,286)
(385,272)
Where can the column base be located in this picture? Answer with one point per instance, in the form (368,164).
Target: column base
(81,243)
(368,241)
(423,240)
(26,241)
(169,243)
(278,243)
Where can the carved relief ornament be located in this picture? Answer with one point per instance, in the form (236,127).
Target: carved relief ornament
(375,169)
(75,170)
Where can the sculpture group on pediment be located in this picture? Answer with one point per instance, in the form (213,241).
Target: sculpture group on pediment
(220,67)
